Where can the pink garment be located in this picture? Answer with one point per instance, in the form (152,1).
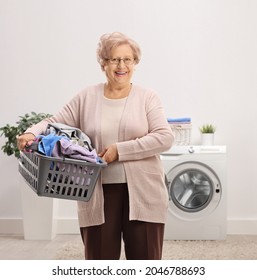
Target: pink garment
(65,148)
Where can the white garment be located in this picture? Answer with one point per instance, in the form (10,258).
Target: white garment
(110,121)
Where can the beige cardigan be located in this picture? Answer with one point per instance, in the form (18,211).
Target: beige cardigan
(144,133)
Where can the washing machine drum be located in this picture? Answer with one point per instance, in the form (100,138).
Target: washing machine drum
(192,186)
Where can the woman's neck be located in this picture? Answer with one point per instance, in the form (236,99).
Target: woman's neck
(117,92)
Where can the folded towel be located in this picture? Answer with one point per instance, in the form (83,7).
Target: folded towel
(179,120)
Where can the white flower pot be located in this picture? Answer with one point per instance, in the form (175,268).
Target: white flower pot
(39,215)
(207,139)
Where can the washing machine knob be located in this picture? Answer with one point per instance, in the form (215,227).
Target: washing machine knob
(191,150)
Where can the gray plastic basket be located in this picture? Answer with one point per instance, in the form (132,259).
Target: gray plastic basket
(59,178)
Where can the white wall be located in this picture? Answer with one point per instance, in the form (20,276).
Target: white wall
(199,54)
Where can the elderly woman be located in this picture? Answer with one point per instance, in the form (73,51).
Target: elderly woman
(128,128)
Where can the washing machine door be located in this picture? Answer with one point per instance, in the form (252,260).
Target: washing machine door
(194,190)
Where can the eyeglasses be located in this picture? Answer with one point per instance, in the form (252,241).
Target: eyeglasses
(117,60)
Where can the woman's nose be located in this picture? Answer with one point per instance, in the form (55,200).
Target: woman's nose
(121,63)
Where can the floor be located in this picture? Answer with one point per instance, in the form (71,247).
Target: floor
(13,247)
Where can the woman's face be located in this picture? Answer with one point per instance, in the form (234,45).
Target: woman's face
(117,72)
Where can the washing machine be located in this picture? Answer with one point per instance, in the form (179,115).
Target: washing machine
(196,183)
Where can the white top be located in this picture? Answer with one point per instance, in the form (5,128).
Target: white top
(110,121)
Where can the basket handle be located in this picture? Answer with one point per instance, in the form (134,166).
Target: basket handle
(32,147)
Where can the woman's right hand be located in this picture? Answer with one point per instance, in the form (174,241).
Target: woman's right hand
(24,140)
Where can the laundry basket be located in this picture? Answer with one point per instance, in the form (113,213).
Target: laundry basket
(182,133)
(59,178)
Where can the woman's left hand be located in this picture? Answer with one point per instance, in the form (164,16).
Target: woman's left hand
(109,154)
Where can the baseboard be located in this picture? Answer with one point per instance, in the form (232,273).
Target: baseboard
(11,226)
(15,226)
(242,226)
(71,226)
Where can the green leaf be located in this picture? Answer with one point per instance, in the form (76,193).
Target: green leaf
(208,128)
(10,132)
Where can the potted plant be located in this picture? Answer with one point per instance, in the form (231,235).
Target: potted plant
(11,131)
(38,214)
(207,133)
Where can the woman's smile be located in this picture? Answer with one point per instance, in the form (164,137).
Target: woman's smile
(120,73)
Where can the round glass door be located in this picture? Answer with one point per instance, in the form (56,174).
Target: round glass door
(191,190)
(194,190)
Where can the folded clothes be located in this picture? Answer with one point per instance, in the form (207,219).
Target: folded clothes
(179,120)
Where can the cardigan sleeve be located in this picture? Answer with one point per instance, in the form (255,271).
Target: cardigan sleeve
(68,115)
